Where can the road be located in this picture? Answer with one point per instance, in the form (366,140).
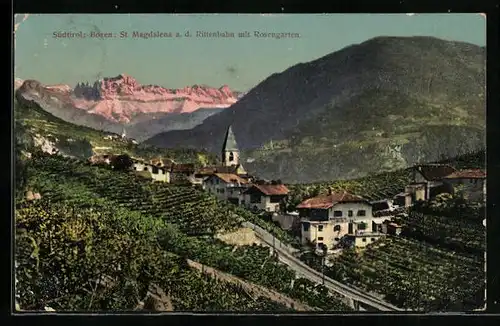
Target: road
(285,254)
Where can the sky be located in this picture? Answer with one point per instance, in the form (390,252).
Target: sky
(176,62)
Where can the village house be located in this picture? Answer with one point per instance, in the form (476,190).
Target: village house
(327,219)
(427,182)
(430,180)
(155,172)
(183,173)
(226,186)
(473,182)
(265,197)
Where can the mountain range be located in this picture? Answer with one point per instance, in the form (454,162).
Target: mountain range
(115,103)
(387,103)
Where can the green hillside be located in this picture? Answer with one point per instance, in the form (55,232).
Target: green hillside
(95,221)
(82,142)
(381,105)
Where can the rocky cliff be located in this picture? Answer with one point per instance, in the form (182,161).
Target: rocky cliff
(121,98)
(112,104)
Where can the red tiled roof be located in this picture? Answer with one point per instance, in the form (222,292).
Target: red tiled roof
(325,202)
(434,172)
(467,174)
(183,168)
(231,178)
(218,169)
(270,190)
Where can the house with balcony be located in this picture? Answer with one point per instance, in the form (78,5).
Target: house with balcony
(327,219)
(226,186)
(265,197)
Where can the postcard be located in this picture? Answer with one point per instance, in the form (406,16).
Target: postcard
(250,163)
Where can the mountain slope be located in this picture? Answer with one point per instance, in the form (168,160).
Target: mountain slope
(120,98)
(168,121)
(34,127)
(114,103)
(391,101)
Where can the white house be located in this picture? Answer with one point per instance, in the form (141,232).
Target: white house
(326,219)
(226,186)
(266,197)
(157,173)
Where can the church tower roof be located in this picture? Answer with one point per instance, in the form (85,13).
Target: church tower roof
(230,144)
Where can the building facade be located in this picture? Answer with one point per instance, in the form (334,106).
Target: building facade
(472,182)
(327,219)
(226,187)
(156,173)
(265,197)
(427,181)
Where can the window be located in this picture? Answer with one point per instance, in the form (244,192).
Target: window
(373,239)
(145,168)
(337,228)
(337,213)
(231,157)
(275,199)
(364,239)
(337,239)
(362,226)
(154,170)
(305,226)
(254,199)
(362,212)
(320,228)
(349,213)
(320,238)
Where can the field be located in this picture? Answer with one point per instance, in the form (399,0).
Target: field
(116,224)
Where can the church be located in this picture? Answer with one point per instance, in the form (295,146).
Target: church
(230,160)
(229,179)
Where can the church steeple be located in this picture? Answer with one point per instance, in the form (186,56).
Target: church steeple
(230,151)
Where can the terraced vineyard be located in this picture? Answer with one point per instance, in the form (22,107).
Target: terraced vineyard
(189,220)
(459,235)
(437,264)
(62,248)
